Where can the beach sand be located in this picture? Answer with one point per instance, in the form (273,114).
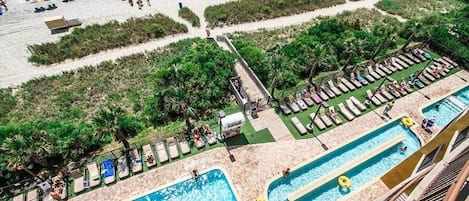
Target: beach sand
(20,27)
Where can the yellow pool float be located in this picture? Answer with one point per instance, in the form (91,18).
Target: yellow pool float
(344,182)
(407,121)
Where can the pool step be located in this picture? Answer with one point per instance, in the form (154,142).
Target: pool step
(344,168)
(457,102)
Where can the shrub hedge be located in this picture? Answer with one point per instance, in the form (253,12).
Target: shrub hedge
(95,38)
(237,12)
(190,16)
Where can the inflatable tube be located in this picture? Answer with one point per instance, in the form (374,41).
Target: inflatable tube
(408,122)
(344,182)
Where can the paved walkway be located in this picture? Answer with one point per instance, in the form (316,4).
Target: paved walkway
(248,84)
(270,120)
(21,28)
(267,118)
(256,165)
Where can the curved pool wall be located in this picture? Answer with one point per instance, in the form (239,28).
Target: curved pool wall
(448,109)
(280,188)
(210,186)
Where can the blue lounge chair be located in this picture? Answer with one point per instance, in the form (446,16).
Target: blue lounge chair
(109,172)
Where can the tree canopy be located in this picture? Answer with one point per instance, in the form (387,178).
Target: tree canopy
(191,84)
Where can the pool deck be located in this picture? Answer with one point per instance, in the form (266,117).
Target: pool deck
(255,165)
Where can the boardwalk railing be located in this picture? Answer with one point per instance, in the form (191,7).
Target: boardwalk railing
(267,97)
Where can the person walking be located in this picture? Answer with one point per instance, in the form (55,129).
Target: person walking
(388,108)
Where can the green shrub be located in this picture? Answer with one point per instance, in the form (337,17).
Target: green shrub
(237,12)
(155,30)
(95,38)
(190,16)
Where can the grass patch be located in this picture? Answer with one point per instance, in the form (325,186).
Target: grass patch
(95,38)
(190,16)
(418,8)
(242,11)
(359,93)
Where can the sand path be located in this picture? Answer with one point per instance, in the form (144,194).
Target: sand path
(21,26)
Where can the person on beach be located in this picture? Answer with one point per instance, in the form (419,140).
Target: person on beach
(4,5)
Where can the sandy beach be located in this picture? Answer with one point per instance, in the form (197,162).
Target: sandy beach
(20,27)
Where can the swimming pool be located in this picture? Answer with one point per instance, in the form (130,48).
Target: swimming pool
(449,107)
(280,188)
(360,175)
(210,186)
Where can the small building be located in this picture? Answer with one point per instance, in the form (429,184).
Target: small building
(231,124)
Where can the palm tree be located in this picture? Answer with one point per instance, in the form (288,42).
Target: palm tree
(113,121)
(18,149)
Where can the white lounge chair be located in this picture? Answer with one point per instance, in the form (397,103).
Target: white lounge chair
(284,108)
(197,137)
(345,112)
(347,83)
(382,72)
(299,126)
(341,86)
(385,93)
(326,119)
(301,104)
(413,58)
(136,163)
(317,121)
(372,72)
(184,145)
(78,181)
(150,160)
(307,99)
(292,104)
(32,195)
(334,116)
(211,138)
(450,61)
(162,153)
(406,60)
(122,167)
(357,103)
(352,107)
(374,99)
(94,176)
(172,148)
(19,197)
(334,89)
(328,91)
(357,81)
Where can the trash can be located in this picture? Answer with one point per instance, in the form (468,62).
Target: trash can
(180,5)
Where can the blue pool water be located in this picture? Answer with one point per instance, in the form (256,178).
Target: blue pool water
(210,186)
(448,109)
(359,175)
(463,95)
(280,188)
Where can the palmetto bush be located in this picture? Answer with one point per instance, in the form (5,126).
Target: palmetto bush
(95,38)
(237,12)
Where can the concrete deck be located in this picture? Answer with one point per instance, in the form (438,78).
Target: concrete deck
(256,164)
